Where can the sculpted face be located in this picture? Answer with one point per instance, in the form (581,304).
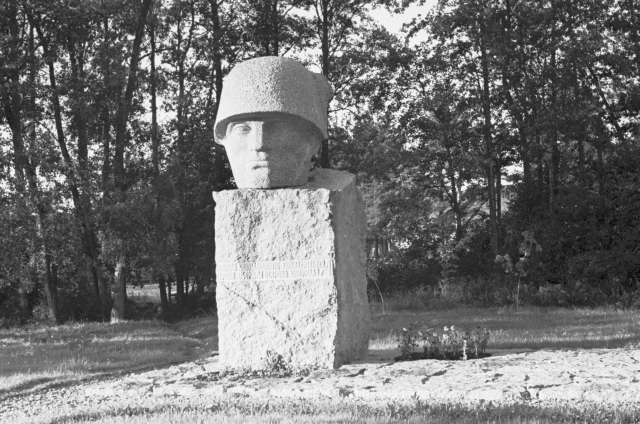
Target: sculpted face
(269,150)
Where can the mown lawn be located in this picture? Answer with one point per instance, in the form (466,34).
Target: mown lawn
(34,357)
(239,410)
(529,327)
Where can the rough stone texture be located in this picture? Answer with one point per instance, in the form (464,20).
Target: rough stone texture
(274,84)
(546,378)
(271,120)
(290,274)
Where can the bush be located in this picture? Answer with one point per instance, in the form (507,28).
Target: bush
(399,274)
(447,344)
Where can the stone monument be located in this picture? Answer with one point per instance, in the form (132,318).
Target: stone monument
(290,254)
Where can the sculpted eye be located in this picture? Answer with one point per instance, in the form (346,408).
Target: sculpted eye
(240,128)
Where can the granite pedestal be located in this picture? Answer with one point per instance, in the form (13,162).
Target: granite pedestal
(290,271)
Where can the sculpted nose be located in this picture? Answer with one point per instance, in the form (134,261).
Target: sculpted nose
(257,137)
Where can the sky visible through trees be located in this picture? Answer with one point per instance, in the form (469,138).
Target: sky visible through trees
(108,161)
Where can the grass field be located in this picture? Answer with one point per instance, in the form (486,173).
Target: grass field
(35,357)
(533,328)
(289,412)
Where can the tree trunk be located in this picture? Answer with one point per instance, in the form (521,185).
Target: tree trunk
(539,167)
(552,187)
(632,21)
(611,113)
(119,176)
(180,124)
(106,114)
(376,251)
(51,290)
(181,115)
(83,207)
(124,106)
(26,178)
(581,132)
(486,131)
(25,305)
(217,56)
(155,148)
(581,179)
(180,285)
(162,284)
(554,164)
(118,311)
(82,203)
(454,198)
(187,280)
(275,18)
(526,160)
(155,142)
(499,194)
(218,67)
(553,139)
(600,159)
(200,281)
(324,147)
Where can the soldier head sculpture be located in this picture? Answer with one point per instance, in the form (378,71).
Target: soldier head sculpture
(271,121)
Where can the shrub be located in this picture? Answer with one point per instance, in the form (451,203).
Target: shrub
(399,274)
(447,344)
(77,302)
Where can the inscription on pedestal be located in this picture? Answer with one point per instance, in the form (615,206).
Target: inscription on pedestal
(275,270)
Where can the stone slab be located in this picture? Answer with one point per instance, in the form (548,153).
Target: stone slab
(290,270)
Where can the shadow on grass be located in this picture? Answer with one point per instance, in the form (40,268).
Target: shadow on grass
(605,343)
(204,329)
(57,356)
(59,382)
(29,384)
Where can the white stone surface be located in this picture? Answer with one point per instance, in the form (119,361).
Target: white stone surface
(290,274)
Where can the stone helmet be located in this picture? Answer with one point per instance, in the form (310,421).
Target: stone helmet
(273,84)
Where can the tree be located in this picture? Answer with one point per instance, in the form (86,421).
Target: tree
(121,180)
(336,24)
(13,24)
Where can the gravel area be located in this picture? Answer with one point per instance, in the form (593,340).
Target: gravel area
(543,377)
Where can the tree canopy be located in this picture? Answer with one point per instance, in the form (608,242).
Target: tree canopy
(485,127)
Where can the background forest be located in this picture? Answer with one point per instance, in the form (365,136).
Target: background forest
(496,143)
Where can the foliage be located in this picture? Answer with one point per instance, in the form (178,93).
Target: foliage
(479,124)
(447,344)
(510,120)
(274,365)
(519,269)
